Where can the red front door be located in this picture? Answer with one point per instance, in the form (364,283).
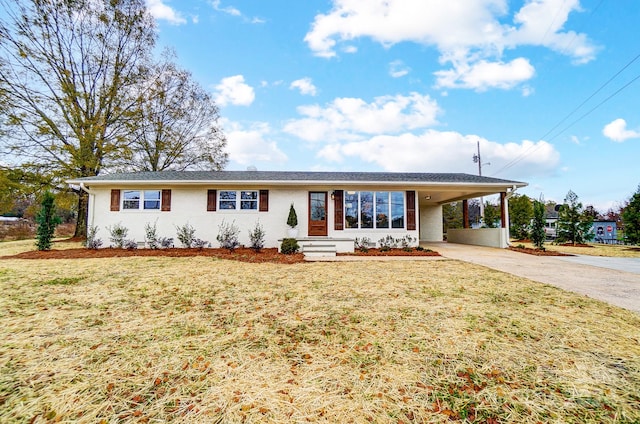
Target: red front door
(317,213)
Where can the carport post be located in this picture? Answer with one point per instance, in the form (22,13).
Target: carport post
(503,209)
(465,213)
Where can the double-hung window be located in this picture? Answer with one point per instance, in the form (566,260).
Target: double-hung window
(141,199)
(238,200)
(374,209)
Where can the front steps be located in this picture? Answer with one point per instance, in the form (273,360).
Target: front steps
(319,247)
(315,250)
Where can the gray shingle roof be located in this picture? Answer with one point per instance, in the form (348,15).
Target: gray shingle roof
(280,176)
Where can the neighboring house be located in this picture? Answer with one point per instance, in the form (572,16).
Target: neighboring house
(333,208)
(603,231)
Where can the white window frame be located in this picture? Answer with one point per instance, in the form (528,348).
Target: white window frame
(374,196)
(239,201)
(142,199)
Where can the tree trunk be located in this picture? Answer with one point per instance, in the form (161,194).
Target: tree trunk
(83,211)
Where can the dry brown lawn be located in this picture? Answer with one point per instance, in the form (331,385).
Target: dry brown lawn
(203,340)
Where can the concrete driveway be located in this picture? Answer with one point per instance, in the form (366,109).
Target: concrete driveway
(613,280)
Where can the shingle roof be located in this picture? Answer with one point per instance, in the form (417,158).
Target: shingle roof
(282,176)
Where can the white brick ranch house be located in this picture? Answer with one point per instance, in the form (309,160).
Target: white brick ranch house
(333,208)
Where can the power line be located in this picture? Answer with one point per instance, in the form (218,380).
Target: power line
(534,148)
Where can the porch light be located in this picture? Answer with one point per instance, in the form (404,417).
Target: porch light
(333,195)
(427,197)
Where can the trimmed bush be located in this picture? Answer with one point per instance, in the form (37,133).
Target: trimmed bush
(289,246)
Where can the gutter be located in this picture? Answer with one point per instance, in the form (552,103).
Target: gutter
(510,194)
(92,204)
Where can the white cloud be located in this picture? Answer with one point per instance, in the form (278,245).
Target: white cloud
(233,90)
(483,75)
(617,131)
(438,151)
(305,86)
(250,146)
(398,69)
(161,11)
(527,91)
(541,22)
(470,34)
(228,9)
(350,118)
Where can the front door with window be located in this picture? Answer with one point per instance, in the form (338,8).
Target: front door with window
(318,213)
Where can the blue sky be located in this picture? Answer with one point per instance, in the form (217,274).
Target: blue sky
(413,85)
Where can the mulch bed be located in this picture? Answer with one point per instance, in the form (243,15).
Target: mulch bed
(392,252)
(537,252)
(575,245)
(241,254)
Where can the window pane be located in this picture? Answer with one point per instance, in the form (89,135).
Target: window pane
(227,195)
(366,209)
(397,209)
(318,212)
(382,209)
(227,199)
(248,200)
(131,199)
(248,204)
(152,199)
(351,209)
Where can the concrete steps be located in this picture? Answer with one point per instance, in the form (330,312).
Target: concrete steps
(318,249)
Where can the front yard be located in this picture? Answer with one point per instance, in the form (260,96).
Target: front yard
(152,339)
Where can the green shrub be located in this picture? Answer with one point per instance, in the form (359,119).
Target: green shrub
(289,246)
(256,236)
(92,241)
(151,235)
(186,235)
(228,235)
(47,221)
(362,244)
(118,234)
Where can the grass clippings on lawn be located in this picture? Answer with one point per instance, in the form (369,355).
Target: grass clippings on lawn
(204,340)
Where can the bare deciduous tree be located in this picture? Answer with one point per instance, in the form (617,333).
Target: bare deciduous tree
(176,125)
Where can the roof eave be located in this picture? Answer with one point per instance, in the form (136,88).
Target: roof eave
(293,183)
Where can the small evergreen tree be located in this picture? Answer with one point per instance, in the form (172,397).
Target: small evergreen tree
(292,219)
(47,221)
(631,219)
(574,226)
(537,227)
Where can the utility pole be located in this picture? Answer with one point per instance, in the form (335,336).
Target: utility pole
(477,159)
